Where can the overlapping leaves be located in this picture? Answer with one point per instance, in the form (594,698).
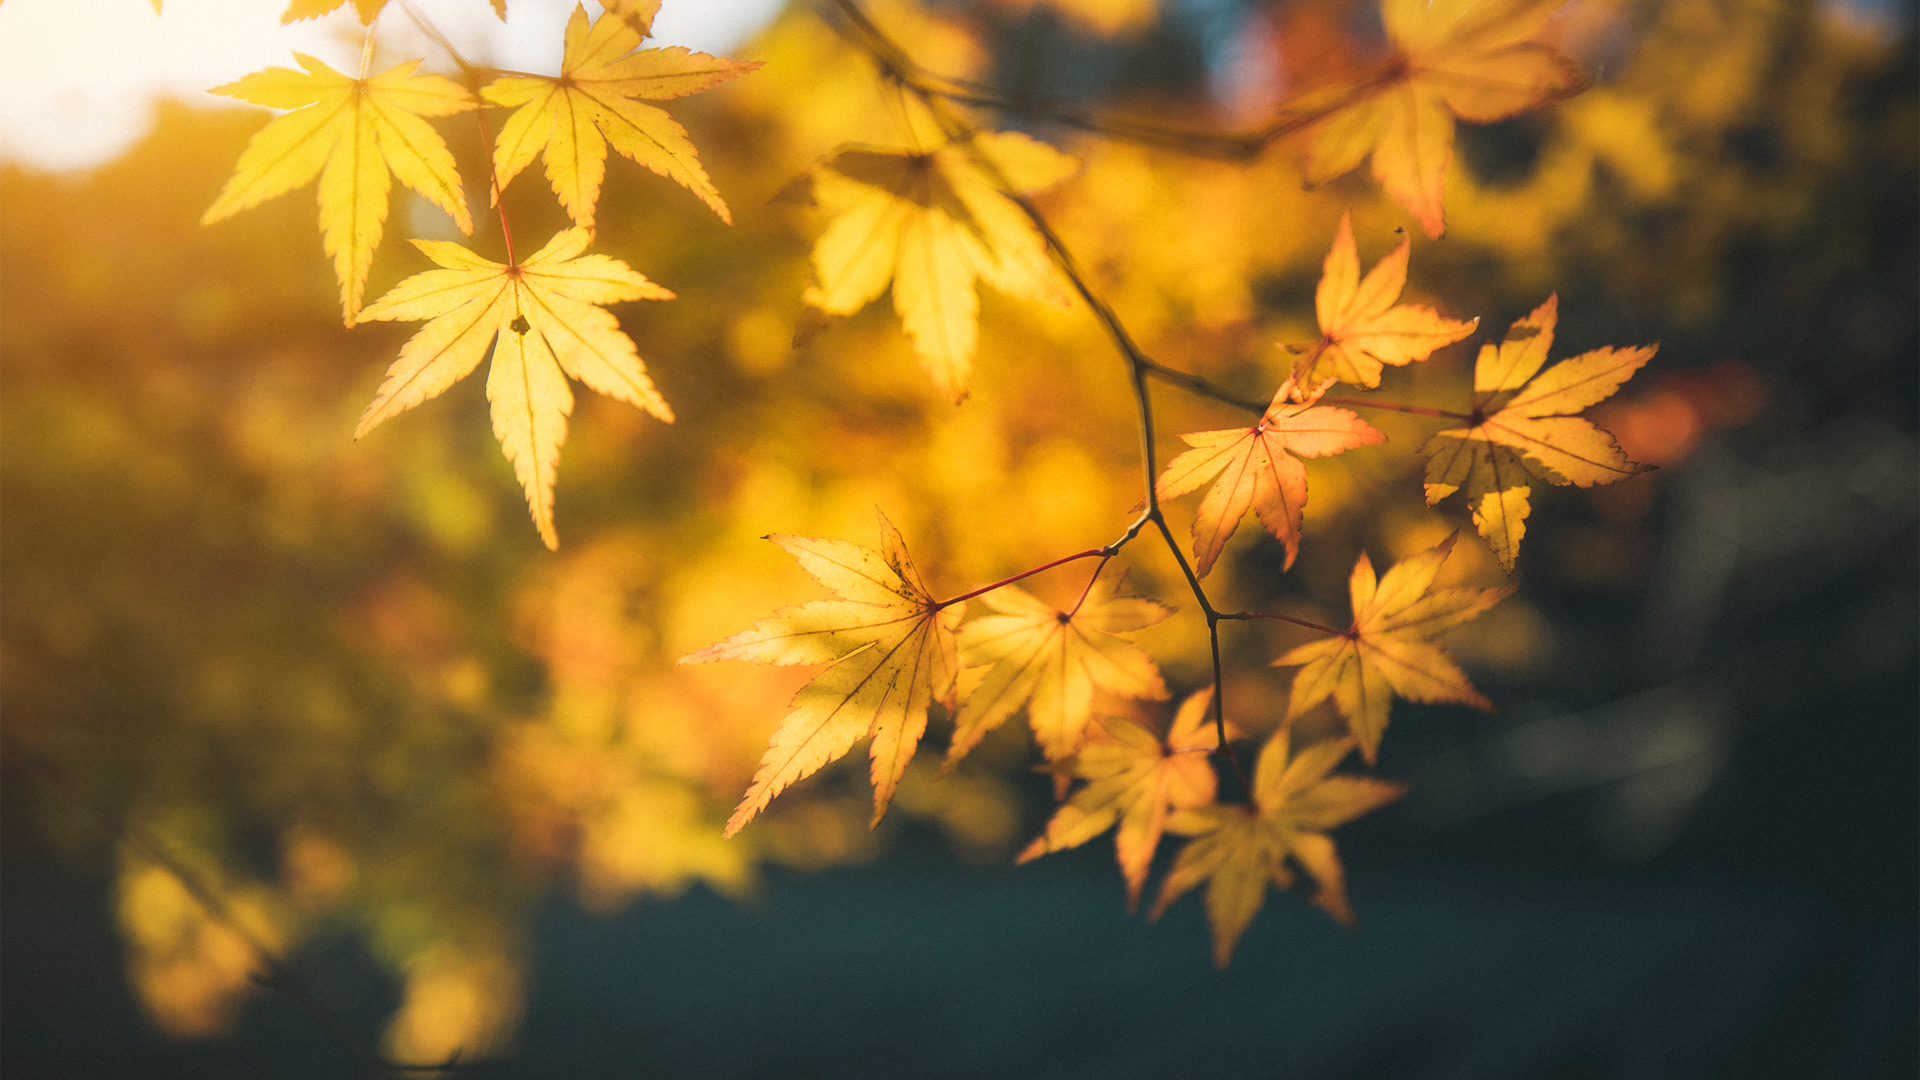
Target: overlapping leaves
(1135,779)
(1524,429)
(1238,850)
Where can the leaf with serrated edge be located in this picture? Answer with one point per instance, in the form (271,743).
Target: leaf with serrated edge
(1135,780)
(570,121)
(1052,662)
(893,654)
(1452,59)
(1238,850)
(1258,468)
(1389,650)
(1525,430)
(544,323)
(350,132)
(1362,324)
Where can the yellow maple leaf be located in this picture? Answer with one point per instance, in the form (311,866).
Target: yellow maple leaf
(1052,661)
(544,323)
(932,222)
(349,132)
(1258,468)
(569,121)
(1135,779)
(1362,325)
(1452,59)
(1521,431)
(893,653)
(1389,649)
(1237,850)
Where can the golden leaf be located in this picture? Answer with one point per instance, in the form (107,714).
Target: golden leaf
(1389,649)
(349,132)
(571,120)
(892,651)
(543,321)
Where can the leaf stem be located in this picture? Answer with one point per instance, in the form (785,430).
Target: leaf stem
(1243,616)
(1417,410)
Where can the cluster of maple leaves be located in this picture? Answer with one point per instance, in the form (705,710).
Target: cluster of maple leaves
(931,220)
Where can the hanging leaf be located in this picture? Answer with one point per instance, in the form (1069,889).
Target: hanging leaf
(931,223)
(1522,431)
(1389,649)
(570,121)
(543,321)
(893,654)
(349,132)
(1135,779)
(1238,850)
(1051,661)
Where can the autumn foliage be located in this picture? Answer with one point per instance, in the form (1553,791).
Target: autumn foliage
(893,507)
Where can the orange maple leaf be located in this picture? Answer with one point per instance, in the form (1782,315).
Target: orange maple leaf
(892,651)
(1135,779)
(1051,661)
(1452,59)
(1237,850)
(1521,431)
(571,120)
(1259,469)
(1362,326)
(1389,649)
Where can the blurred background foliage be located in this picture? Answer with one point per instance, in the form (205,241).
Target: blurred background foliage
(344,687)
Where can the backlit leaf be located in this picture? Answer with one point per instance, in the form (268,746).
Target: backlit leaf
(569,121)
(1390,649)
(1258,468)
(1135,780)
(544,322)
(1523,429)
(893,654)
(1452,59)
(1051,661)
(349,132)
(1238,850)
(932,222)
(1362,324)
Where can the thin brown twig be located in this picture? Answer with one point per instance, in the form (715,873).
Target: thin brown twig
(900,69)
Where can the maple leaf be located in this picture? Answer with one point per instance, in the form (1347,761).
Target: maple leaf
(1452,59)
(931,222)
(1237,850)
(1259,469)
(893,653)
(1362,328)
(349,132)
(1523,431)
(1135,779)
(313,9)
(1052,661)
(544,323)
(571,120)
(1389,649)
